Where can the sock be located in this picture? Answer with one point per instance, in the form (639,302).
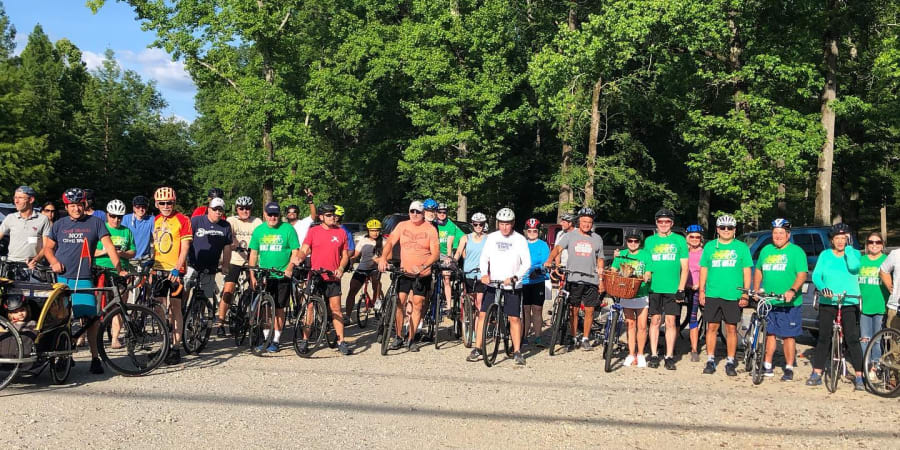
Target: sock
(277,336)
(767,365)
(584,339)
(788,367)
(266,334)
(711,358)
(730,360)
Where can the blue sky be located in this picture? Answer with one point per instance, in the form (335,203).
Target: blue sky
(115,27)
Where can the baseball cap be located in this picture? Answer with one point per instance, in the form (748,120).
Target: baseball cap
(27,190)
(216,202)
(416,205)
(272,208)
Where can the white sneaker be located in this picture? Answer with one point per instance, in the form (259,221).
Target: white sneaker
(641,361)
(628,361)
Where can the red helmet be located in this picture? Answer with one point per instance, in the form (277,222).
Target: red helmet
(532,223)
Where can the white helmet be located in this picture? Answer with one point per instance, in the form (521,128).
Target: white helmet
(506,215)
(116,207)
(479,217)
(244,201)
(726,221)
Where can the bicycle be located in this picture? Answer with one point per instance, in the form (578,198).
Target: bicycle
(468,310)
(365,306)
(199,315)
(612,333)
(238,314)
(886,370)
(495,327)
(436,313)
(560,314)
(314,319)
(261,323)
(755,338)
(388,311)
(837,366)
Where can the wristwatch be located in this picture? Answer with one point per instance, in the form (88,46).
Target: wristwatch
(794,291)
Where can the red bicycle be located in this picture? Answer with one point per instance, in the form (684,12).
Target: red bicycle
(366,304)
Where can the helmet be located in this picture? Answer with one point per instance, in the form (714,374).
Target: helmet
(140,200)
(326,208)
(215,193)
(89,195)
(586,212)
(694,229)
(664,212)
(634,233)
(781,223)
(532,223)
(430,204)
(726,221)
(73,195)
(164,193)
(839,228)
(12,302)
(373,224)
(442,207)
(479,217)
(338,210)
(506,215)
(568,217)
(244,201)
(116,207)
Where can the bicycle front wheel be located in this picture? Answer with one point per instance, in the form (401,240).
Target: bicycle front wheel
(387,323)
(197,324)
(490,342)
(832,372)
(612,339)
(749,347)
(883,376)
(759,353)
(10,338)
(558,336)
(363,311)
(469,321)
(262,323)
(141,344)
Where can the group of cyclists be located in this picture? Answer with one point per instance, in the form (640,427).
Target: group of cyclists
(714,280)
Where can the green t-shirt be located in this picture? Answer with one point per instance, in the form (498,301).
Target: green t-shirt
(639,261)
(874,294)
(665,255)
(274,245)
(447,230)
(780,268)
(725,265)
(123,239)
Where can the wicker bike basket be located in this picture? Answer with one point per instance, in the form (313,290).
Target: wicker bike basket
(619,286)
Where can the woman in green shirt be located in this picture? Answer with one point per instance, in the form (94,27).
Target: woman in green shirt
(635,308)
(874,293)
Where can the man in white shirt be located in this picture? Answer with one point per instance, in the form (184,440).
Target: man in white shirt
(26,230)
(302,226)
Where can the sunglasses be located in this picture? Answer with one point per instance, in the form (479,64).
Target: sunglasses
(273,215)
(415,211)
(633,241)
(49,210)
(664,221)
(475,224)
(871,242)
(328,215)
(726,227)
(219,209)
(243,208)
(165,203)
(693,237)
(139,206)
(114,216)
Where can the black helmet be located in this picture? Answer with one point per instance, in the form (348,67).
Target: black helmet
(586,212)
(839,228)
(216,193)
(12,302)
(326,208)
(89,195)
(634,233)
(140,200)
(664,212)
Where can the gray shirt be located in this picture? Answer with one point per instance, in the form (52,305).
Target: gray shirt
(583,252)
(24,234)
(366,249)
(891,266)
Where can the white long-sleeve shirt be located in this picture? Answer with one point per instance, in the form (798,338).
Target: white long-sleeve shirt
(505,257)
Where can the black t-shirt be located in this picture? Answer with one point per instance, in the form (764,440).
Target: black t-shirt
(209,241)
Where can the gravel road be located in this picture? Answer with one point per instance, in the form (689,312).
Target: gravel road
(227,398)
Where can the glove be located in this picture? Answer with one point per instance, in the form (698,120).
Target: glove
(679,295)
(175,273)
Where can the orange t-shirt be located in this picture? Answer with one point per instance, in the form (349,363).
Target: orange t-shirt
(415,244)
(168,233)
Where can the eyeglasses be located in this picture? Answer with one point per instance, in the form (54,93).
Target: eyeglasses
(664,221)
(415,211)
(243,208)
(871,242)
(726,227)
(49,210)
(532,230)
(633,241)
(218,209)
(693,237)
(273,215)
(165,203)
(442,211)
(328,215)
(114,216)
(475,224)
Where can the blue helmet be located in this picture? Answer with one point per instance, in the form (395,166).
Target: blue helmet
(781,223)
(430,204)
(694,229)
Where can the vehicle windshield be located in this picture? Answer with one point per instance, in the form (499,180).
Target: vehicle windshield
(749,239)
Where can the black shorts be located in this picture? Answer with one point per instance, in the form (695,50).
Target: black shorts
(512,301)
(717,310)
(163,287)
(583,294)
(234,272)
(329,289)
(360,276)
(533,294)
(418,286)
(664,304)
(280,290)
(474,285)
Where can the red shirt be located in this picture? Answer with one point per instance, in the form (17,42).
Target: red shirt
(327,246)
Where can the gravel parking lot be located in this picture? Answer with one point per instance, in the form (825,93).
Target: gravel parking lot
(227,398)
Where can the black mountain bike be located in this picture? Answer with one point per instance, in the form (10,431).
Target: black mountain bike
(313,324)
(199,316)
(495,327)
(389,312)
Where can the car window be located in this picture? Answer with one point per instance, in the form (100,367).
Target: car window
(749,239)
(765,241)
(810,243)
(611,236)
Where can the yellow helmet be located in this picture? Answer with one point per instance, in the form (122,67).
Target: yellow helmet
(373,224)
(338,210)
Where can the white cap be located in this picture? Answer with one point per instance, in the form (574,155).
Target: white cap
(417,205)
(216,203)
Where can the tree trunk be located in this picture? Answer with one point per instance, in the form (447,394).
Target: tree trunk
(884,230)
(826,159)
(566,196)
(592,143)
(782,191)
(703,209)
(268,146)
(462,205)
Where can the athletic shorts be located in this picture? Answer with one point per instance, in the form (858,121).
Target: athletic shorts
(418,286)
(583,294)
(207,282)
(533,294)
(234,272)
(785,321)
(330,289)
(280,290)
(512,299)
(635,303)
(474,285)
(83,304)
(663,304)
(162,287)
(360,276)
(718,309)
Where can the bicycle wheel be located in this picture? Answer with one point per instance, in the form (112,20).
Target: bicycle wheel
(759,353)
(469,321)
(387,323)
(560,316)
(312,325)
(612,339)
(262,323)
(490,341)
(363,311)
(61,365)
(144,344)
(197,324)
(438,318)
(240,318)
(8,370)
(749,347)
(834,365)
(886,380)
(507,345)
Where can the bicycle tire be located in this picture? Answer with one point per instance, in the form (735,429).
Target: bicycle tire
(197,324)
(469,322)
(507,345)
(8,371)
(887,383)
(560,313)
(759,353)
(363,311)
(61,366)
(314,330)
(241,317)
(612,339)
(490,339)
(834,365)
(387,322)
(748,353)
(146,341)
(438,318)
(262,319)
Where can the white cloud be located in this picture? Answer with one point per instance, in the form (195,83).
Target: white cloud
(92,60)
(156,64)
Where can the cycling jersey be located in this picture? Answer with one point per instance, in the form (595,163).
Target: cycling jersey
(243,231)
(122,239)
(168,234)
(473,256)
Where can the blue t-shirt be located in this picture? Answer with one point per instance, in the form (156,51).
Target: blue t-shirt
(99,214)
(142,230)
(69,236)
(209,241)
(539,251)
(473,256)
(351,244)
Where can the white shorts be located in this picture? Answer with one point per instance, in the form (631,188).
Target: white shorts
(635,303)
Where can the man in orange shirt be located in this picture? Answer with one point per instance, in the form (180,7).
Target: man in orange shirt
(172,236)
(419,249)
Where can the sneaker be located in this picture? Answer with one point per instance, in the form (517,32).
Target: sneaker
(396,343)
(96,366)
(520,360)
(273,348)
(344,348)
(858,384)
(173,357)
(641,361)
(412,347)
(586,345)
(768,372)
(730,369)
(629,361)
(710,368)
(573,344)
(304,347)
(695,357)
(347,321)
(788,375)
(474,356)
(220,331)
(538,343)
(653,362)
(814,380)
(670,363)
